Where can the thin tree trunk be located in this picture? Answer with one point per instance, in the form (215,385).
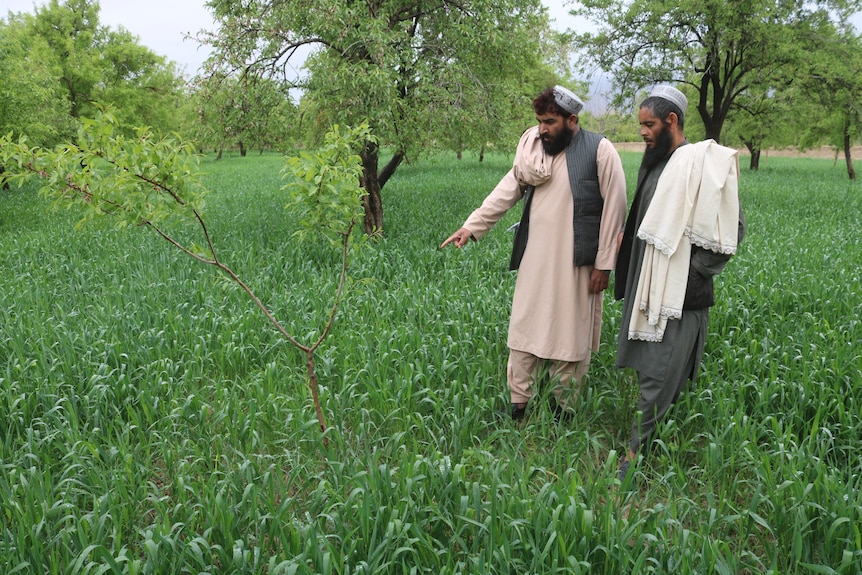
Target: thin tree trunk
(847,155)
(754,161)
(372,182)
(315,392)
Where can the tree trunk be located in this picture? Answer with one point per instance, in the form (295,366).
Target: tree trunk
(242,150)
(371,201)
(713,118)
(754,162)
(712,128)
(847,156)
(372,183)
(482,154)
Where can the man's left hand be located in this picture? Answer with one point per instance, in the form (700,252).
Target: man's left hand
(599,281)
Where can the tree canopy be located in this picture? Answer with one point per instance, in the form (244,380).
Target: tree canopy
(246,111)
(32,101)
(404,66)
(721,49)
(832,82)
(60,63)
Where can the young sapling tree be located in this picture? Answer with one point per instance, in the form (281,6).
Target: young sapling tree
(156,183)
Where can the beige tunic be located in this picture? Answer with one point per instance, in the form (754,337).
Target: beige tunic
(553,314)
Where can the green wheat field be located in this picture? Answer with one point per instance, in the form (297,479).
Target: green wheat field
(153,422)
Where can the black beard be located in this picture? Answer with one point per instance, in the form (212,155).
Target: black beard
(659,151)
(559,143)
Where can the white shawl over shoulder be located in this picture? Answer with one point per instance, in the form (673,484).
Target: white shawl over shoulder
(532,165)
(696,202)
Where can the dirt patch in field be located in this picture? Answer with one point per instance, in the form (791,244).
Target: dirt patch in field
(828,152)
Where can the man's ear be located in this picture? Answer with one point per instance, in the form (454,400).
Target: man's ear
(572,121)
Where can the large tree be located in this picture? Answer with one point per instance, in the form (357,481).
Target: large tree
(32,102)
(91,63)
(833,80)
(718,47)
(401,65)
(763,114)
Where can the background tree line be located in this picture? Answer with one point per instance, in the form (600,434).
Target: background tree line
(437,74)
(757,73)
(59,63)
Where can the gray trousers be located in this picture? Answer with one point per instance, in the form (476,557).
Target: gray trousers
(682,351)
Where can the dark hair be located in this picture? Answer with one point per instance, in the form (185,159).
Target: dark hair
(661,108)
(545,103)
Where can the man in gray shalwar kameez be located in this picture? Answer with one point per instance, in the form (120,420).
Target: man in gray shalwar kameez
(665,346)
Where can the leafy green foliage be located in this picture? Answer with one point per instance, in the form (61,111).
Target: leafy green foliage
(61,64)
(244,112)
(832,81)
(719,50)
(411,69)
(324,185)
(32,101)
(148,182)
(139,180)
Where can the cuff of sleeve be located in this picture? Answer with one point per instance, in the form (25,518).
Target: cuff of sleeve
(606,259)
(475,235)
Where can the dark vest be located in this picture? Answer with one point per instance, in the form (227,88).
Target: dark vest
(587,200)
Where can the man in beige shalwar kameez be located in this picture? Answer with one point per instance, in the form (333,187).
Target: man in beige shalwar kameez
(576,210)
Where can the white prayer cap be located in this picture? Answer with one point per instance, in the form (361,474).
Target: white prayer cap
(567,100)
(670,94)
